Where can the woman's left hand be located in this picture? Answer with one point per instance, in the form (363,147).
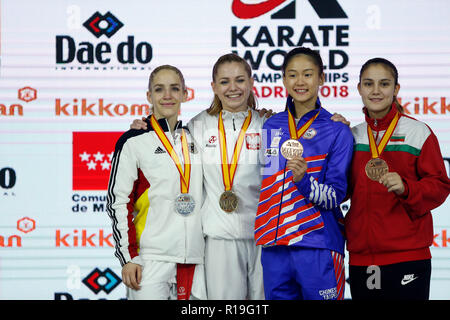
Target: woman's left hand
(298,167)
(393,182)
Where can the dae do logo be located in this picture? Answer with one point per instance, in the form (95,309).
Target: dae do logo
(97,51)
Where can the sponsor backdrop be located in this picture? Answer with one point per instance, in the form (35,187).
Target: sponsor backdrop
(73,75)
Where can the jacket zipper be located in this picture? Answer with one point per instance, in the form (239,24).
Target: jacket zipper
(185,240)
(234,127)
(369,218)
(279,207)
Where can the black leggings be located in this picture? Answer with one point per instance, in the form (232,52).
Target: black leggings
(400,281)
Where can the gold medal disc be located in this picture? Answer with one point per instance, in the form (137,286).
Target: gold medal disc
(376,168)
(228,201)
(291,149)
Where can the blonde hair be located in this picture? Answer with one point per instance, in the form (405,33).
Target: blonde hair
(166,67)
(216,104)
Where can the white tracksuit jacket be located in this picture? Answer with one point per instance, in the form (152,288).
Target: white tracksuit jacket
(216,222)
(143,185)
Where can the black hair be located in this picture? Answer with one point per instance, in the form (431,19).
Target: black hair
(315,55)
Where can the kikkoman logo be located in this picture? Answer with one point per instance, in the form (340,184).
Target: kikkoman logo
(127,54)
(247,9)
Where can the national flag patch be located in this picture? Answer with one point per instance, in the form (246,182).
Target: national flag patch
(253,141)
(397,138)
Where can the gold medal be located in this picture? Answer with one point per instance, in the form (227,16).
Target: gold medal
(291,149)
(376,168)
(228,201)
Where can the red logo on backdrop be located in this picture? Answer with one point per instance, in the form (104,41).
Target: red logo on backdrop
(26,224)
(252,10)
(27,94)
(190,94)
(325,9)
(92,155)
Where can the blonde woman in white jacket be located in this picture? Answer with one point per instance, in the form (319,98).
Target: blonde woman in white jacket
(154,200)
(228,136)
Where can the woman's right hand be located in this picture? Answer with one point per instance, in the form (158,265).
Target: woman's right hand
(264,112)
(139,124)
(132,275)
(337,117)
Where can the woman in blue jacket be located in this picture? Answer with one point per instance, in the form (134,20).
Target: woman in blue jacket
(307,158)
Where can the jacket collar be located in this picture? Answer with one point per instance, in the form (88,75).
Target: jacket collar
(291,106)
(383,123)
(163,123)
(240,114)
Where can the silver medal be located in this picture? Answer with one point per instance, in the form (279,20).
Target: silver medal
(184,204)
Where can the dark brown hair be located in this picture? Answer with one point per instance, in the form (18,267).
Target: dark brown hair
(391,67)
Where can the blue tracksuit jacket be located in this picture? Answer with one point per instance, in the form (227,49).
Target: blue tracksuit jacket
(306,213)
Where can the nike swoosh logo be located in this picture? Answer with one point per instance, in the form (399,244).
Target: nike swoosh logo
(249,11)
(406,281)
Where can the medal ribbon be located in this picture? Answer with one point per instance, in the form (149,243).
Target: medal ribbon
(229,169)
(297,134)
(185,175)
(375,149)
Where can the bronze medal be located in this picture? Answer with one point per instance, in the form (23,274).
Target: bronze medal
(291,149)
(376,168)
(228,201)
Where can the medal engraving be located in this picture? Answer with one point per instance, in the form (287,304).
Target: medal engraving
(291,149)
(376,168)
(184,204)
(228,201)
